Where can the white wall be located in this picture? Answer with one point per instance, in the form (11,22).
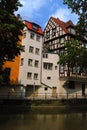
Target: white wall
(53,74)
(26,55)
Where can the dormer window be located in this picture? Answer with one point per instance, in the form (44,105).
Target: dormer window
(35,27)
(72,31)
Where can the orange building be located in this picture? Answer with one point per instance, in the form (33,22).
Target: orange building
(13,68)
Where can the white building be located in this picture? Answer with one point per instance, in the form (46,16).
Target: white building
(39,71)
(49,75)
(30,61)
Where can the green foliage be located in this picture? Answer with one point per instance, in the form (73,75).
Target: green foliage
(75,55)
(10,29)
(80,8)
(10,5)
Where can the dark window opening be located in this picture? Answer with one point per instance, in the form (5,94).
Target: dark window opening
(71,84)
(48,77)
(45,88)
(6,75)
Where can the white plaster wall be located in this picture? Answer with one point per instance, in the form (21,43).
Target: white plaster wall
(54,73)
(77,91)
(26,55)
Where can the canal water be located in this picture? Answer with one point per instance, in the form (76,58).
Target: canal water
(43,121)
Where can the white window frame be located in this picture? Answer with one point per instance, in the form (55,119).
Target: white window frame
(29,75)
(30,62)
(31,49)
(36,76)
(37,51)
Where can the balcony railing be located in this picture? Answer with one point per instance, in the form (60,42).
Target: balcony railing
(74,77)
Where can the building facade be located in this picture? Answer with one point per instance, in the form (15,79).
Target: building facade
(30,60)
(49,75)
(57,33)
(37,68)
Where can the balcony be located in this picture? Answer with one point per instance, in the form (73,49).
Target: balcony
(74,77)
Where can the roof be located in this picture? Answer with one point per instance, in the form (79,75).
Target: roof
(63,25)
(34,27)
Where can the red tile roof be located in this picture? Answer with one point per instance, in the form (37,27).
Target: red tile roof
(30,27)
(62,24)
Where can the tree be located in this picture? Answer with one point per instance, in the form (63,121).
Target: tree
(10,30)
(75,56)
(80,8)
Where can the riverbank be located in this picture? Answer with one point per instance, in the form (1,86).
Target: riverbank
(46,106)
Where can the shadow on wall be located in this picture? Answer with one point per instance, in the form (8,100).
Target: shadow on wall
(12,91)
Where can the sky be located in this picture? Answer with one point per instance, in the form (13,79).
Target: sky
(39,11)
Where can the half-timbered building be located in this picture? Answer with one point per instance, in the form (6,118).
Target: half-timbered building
(56,34)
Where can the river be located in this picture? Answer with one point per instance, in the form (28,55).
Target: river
(43,121)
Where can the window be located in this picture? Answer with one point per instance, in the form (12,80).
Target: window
(30,62)
(22,61)
(35,27)
(45,88)
(86,45)
(48,77)
(29,75)
(62,40)
(23,48)
(61,52)
(7,72)
(61,69)
(32,35)
(72,31)
(6,75)
(45,55)
(38,38)
(76,70)
(48,34)
(48,66)
(31,49)
(55,67)
(37,50)
(71,84)
(36,63)
(24,35)
(35,76)
(54,32)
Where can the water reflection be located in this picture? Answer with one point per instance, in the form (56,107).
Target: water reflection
(28,121)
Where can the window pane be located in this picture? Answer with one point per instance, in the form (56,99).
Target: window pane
(32,35)
(29,75)
(48,66)
(23,48)
(24,35)
(35,76)
(36,63)
(54,32)
(48,34)
(22,61)
(38,38)
(30,62)
(37,51)
(45,55)
(61,69)
(31,49)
